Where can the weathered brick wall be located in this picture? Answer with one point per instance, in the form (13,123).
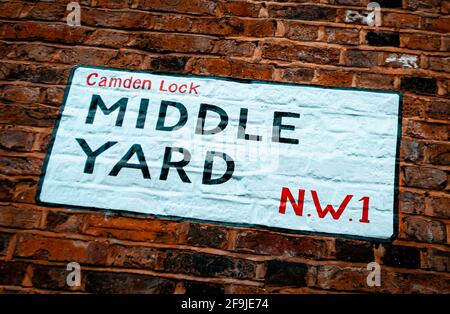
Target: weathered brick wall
(286,40)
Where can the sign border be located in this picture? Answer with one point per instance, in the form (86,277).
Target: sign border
(214,222)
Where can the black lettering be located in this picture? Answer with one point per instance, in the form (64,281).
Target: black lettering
(92,155)
(142,113)
(202,116)
(243,125)
(207,171)
(123,163)
(278,126)
(163,112)
(96,101)
(168,163)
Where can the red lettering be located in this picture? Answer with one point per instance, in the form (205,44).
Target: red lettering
(173,88)
(161,87)
(298,207)
(329,208)
(89,78)
(148,82)
(193,88)
(183,88)
(138,82)
(365,213)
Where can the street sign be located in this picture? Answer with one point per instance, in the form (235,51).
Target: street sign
(261,154)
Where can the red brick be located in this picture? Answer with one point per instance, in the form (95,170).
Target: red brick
(19,190)
(233,48)
(64,222)
(439,63)
(55,249)
(437,260)
(234,26)
(169,63)
(16,139)
(52,249)
(400,20)
(246,70)
(57,33)
(211,66)
(30,115)
(35,73)
(303,12)
(20,165)
(12,273)
(423,229)
(177,23)
(43,11)
(52,278)
(132,257)
(126,283)
(299,31)
(420,41)
(291,52)
(202,264)
(18,93)
(14,216)
(438,206)
(441,24)
(113,4)
(53,95)
(348,2)
(354,251)
(149,230)
(239,8)
(413,106)
(426,178)
(10,9)
(297,74)
(439,110)
(411,203)
(113,38)
(128,59)
(282,245)
(156,42)
(438,154)
(334,78)
(85,55)
(376,81)
(286,273)
(445,8)
(411,150)
(347,36)
(44,141)
(337,277)
(401,256)
(118,19)
(417,282)
(424,130)
(423,5)
(354,279)
(5,239)
(361,59)
(207,236)
(180,6)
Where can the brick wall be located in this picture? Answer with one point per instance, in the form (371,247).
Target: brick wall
(281,40)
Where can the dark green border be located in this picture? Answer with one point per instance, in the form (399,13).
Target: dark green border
(126,212)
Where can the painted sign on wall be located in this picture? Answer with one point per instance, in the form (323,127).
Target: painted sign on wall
(286,156)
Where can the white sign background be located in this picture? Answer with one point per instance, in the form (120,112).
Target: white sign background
(348,142)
